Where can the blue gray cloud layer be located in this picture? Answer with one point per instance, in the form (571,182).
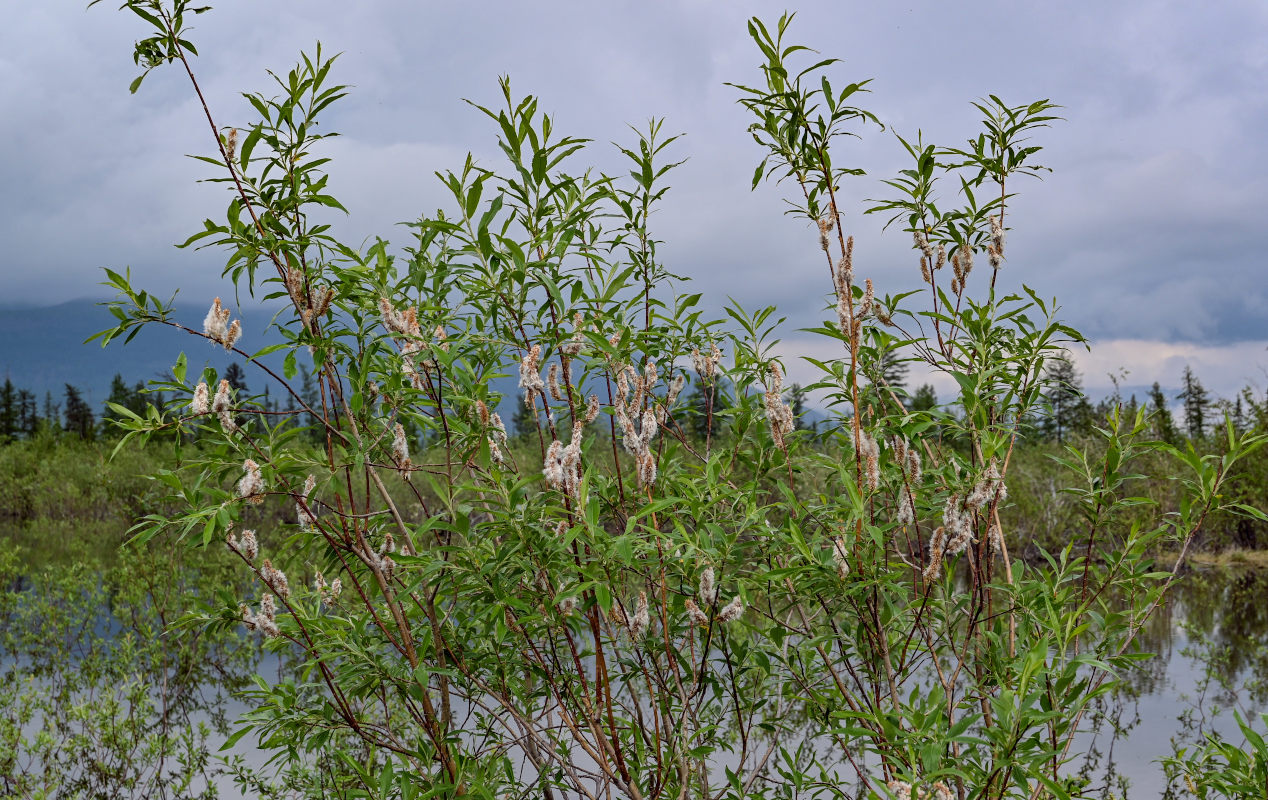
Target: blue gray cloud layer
(1149,228)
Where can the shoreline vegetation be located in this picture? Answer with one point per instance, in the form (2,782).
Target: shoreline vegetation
(58,488)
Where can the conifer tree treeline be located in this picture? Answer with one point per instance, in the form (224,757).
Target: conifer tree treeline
(70,413)
(21,418)
(1068,413)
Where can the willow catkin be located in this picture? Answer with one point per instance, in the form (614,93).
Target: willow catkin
(216,323)
(913,465)
(250,546)
(650,374)
(922,242)
(825,227)
(732,610)
(869,297)
(307,520)
(675,388)
(552,382)
(937,541)
(990,486)
(552,468)
(778,413)
(404,322)
(328,593)
(251,485)
(222,402)
(573,346)
(646,469)
(400,449)
(275,579)
(200,403)
(570,461)
(902,790)
(959,526)
(870,453)
(695,614)
(708,588)
(906,508)
(706,365)
(294,282)
(530,375)
(642,620)
(997,234)
(216,326)
(266,619)
(839,557)
(994,536)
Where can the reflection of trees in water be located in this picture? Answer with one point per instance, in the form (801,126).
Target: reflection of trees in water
(1112,718)
(1226,620)
(1217,622)
(1216,617)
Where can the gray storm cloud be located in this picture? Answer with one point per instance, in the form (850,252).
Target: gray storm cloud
(1148,229)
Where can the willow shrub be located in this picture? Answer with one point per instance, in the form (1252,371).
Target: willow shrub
(630,610)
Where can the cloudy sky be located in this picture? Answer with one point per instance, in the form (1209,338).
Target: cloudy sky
(1148,231)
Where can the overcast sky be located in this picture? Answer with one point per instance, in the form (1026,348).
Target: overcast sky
(1149,231)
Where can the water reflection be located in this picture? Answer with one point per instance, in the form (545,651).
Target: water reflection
(1209,658)
(1208,643)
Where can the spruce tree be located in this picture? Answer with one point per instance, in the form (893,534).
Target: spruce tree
(1133,405)
(925,398)
(1164,425)
(79,417)
(28,413)
(1197,404)
(1068,409)
(893,372)
(8,412)
(121,395)
(798,398)
(52,417)
(309,394)
(237,378)
(524,420)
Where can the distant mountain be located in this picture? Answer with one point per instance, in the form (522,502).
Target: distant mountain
(43,349)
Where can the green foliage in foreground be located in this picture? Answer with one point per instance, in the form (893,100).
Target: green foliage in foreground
(1225,771)
(777,614)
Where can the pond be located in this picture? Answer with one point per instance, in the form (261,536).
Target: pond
(1209,642)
